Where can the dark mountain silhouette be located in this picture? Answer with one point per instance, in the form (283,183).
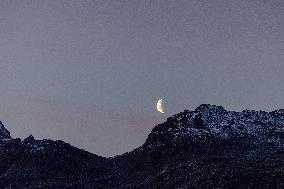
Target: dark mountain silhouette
(206,148)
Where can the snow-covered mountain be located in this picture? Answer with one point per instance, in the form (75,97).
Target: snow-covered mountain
(210,122)
(209,147)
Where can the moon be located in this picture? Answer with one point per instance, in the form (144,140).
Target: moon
(160,107)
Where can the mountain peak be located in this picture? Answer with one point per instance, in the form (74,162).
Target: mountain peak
(4,133)
(208,107)
(211,122)
(29,139)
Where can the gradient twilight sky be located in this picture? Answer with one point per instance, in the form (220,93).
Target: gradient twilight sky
(90,72)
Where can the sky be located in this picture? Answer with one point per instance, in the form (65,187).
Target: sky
(90,72)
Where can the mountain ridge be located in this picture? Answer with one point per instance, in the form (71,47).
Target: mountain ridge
(208,147)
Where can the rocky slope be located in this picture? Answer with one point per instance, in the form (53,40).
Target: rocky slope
(206,148)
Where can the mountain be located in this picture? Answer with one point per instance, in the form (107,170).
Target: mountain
(4,133)
(209,147)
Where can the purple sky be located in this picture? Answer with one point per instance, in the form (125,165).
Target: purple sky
(90,72)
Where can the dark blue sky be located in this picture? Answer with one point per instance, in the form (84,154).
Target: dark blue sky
(90,72)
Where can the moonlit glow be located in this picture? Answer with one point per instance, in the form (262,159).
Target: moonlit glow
(160,107)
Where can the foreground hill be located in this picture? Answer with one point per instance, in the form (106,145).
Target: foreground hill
(206,148)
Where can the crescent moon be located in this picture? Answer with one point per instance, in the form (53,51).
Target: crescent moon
(160,107)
